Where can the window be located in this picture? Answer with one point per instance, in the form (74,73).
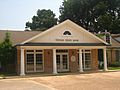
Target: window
(34,62)
(108,38)
(117,53)
(62,51)
(67,33)
(86,59)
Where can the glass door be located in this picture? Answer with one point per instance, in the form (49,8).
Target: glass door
(62,62)
(58,58)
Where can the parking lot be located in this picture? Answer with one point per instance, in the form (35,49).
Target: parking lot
(93,81)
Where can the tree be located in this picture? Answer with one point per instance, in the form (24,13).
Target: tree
(7,53)
(93,15)
(44,20)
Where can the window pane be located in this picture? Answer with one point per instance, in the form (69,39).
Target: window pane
(39,50)
(39,62)
(30,58)
(87,57)
(65,62)
(30,62)
(58,61)
(62,51)
(30,50)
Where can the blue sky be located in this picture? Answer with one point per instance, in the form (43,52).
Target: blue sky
(15,13)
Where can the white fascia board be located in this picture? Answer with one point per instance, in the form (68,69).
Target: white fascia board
(52,28)
(67,21)
(88,32)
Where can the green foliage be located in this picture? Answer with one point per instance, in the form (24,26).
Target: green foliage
(44,20)
(115,64)
(100,35)
(94,15)
(114,68)
(7,53)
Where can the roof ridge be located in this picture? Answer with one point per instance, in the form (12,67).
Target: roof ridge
(18,31)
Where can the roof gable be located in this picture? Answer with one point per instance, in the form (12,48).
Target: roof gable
(65,32)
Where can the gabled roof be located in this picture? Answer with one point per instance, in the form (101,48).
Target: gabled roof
(63,23)
(115,39)
(18,37)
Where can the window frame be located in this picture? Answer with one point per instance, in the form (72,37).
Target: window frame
(35,52)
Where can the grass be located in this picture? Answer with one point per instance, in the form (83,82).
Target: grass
(100,35)
(114,68)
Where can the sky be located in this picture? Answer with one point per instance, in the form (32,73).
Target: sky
(15,13)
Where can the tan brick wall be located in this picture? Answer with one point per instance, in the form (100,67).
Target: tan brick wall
(48,60)
(73,65)
(113,58)
(109,55)
(94,58)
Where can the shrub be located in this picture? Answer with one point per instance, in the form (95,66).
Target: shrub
(115,64)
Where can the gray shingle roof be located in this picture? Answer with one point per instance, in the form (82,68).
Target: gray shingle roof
(18,36)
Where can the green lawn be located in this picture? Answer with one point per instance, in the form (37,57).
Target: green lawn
(114,68)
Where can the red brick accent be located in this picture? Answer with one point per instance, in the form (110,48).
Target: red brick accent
(18,60)
(73,65)
(48,60)
(94,58)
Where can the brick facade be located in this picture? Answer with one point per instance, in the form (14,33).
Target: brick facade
(48,60)
(111,56)
(73,60)
(18,60)
(94,58)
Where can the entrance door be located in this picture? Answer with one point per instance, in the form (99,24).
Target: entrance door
(62,62)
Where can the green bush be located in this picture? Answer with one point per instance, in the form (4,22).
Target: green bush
(115,64)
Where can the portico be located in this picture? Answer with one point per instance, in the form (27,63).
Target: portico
(61,58)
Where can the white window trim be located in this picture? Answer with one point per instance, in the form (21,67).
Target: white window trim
(34,52)
(83,52)
(61,60)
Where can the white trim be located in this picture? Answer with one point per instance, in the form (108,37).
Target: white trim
(105,59)
(67,21)
(61,61)
(40,34)
(22,65)
(34,53)
(80,61)
(84,30)
(84,58)
(54,62)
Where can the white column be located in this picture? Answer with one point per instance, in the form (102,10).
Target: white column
(22,68)
(105,59)
(54,62)
(80,61)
